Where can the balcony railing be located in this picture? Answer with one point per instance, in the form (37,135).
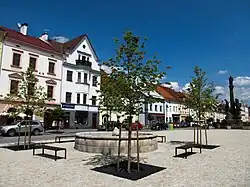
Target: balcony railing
(83,63)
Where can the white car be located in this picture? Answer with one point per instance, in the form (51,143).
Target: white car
(19,127)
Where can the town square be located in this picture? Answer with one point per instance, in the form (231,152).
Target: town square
(122,95)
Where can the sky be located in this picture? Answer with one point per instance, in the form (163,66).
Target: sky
(213,34)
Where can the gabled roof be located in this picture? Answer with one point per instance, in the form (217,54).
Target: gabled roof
(30,40)
(50,45)
(169,94)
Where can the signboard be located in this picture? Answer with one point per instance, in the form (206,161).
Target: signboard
(70,106)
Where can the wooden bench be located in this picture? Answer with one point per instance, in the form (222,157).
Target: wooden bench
(186,147)
(50,148)
(66,136)
(163,139)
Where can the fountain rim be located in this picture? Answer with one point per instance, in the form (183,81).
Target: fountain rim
(142,136)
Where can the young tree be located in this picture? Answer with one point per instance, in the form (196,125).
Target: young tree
(134,76)
(200,98)
(58,115)
(109,97)
(28,98)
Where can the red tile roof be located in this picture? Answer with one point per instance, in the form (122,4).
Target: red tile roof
(50,45)
(26,39)
(170,94)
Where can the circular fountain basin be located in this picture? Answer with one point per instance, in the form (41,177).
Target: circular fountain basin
(106,143)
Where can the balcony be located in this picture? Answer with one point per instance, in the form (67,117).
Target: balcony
(83,63)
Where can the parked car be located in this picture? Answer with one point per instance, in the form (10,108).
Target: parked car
(159,126)
(108,125)
(19,126)
(134,126)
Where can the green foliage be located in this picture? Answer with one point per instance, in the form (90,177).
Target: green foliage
(30,98)
(189,119)
(134,77)
(109,97)
(58,114)
(199,96)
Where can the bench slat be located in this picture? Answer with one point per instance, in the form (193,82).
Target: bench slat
(49,147)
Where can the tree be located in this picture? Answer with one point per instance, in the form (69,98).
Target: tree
(200,97)
(135,77)
(109,97)
(28,98)
(58,115)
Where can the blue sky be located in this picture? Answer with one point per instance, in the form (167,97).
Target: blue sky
(214,34)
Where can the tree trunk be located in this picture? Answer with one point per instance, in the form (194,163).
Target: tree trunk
(198,132)
(194,133)
(206,134)
(119,146)
(25,136)
(29,135)
(129,143)
(200,135)
(138,148)
(19,136)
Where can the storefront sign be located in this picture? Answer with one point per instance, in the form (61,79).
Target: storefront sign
(70,106)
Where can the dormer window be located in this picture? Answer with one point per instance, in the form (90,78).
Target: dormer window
(83,46)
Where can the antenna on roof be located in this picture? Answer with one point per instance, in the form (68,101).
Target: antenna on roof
(19,25)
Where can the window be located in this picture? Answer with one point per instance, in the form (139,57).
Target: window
(84,98)
(33,63)
(31,88)
(78,98)
(51,67)
(150,107)
(160,108)
(16,59)
(94,100)
(85,78)
(68,97)
(156,108)
(79,77)
(69,75)
(35,123)
(94,83)
(50,91)
(13,86)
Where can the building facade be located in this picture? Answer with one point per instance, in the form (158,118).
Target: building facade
(80,83)
(20,51)
(68,72)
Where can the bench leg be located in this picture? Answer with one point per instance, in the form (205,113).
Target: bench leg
(43,151)
(175,152)
(200,149)
(65,153)
(191,150)
(185,153)
(165,139)
(55,155)
(34,151)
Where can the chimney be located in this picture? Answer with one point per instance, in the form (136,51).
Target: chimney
(44,36)
(24,28)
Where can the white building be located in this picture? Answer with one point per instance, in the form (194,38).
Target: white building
(154,111)
(80,83)
(244,113)
(19,51)
(69,72)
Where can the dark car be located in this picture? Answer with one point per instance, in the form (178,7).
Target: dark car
(159,126)
(108,126)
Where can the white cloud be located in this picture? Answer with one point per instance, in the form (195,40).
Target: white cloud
(186,86)
(107,69)
(242,81)
(60,39)
(222,72)
(219,90)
